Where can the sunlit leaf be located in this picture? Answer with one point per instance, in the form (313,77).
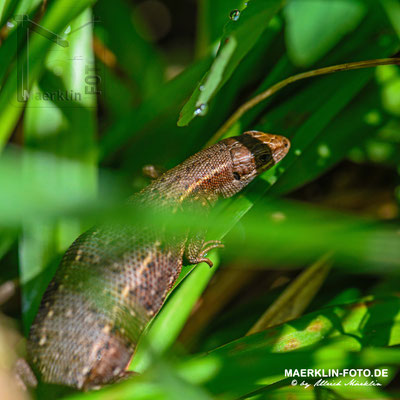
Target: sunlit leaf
(239,37)
(315,26)
(69,132)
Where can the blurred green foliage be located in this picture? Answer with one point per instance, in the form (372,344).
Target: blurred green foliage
(151,82)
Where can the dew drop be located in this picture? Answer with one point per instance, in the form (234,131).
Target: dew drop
(297,152)
(201,88)
(10,24)
(234,15)
(324,151)
(68,30)
(201,110)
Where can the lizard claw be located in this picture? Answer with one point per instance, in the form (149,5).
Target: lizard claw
(200,257)
(211,244)
(207,246)
(206,260)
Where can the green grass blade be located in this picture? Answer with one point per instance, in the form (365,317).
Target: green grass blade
(69,132)
(314,27)
(238,39)
(59,14)
(335,337)
(169,96)
(138,58)
(6,9)
(296,297)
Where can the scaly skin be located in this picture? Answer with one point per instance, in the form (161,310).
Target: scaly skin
(114,279)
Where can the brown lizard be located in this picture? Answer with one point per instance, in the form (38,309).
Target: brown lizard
(113,279)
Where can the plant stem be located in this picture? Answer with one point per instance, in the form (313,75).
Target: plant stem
(297,296)
(294,78)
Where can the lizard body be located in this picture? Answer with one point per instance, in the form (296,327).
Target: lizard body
(114,279)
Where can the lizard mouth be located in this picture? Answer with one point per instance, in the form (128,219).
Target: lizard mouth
(281,150)
(278,145)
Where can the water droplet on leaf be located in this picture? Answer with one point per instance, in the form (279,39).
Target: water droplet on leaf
(324,151)
(68,30)
(10,24)
(234,15)
(201,88)
(201,110)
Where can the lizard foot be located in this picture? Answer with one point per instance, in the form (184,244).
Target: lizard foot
(207,246)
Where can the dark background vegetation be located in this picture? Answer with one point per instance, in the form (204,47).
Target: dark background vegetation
(168,75)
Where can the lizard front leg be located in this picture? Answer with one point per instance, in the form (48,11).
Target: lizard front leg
(196,249)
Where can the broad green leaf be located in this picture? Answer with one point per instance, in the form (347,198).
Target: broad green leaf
(335,337)
(315,26)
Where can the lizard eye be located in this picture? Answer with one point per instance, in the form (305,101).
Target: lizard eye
(263,158)
(236,176)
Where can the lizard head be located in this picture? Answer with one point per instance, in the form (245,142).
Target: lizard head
(252,153)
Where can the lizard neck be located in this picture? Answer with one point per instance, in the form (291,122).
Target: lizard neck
(200,177)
